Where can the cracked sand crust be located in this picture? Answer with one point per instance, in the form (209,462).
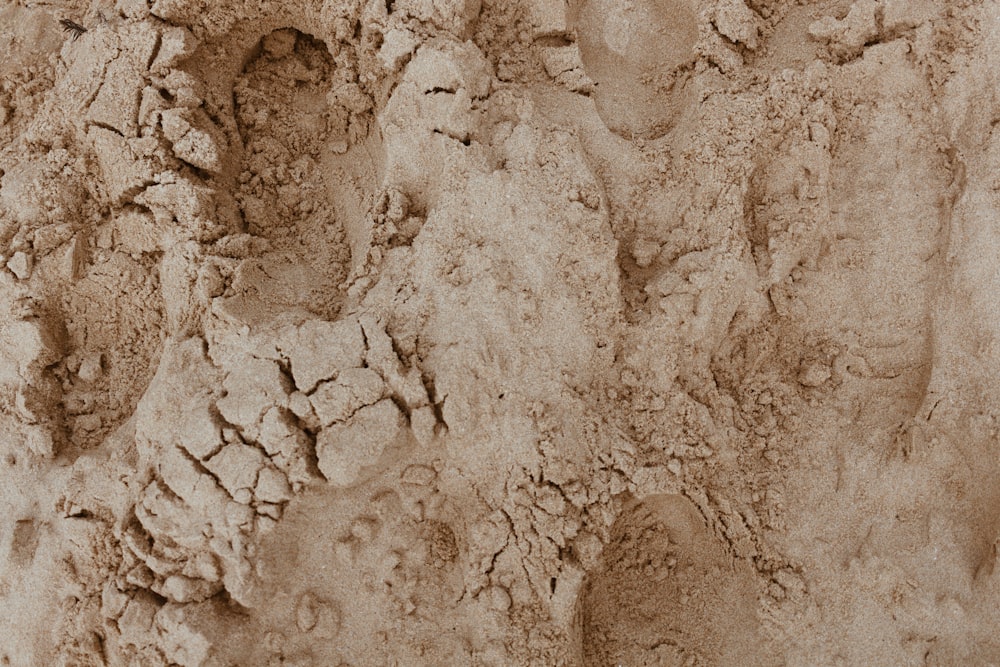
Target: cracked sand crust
(469,332)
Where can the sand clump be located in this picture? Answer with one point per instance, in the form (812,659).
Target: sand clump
(467,332)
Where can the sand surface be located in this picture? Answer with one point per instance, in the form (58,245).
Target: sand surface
(499,332)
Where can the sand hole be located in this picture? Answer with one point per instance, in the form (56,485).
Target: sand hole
(24,542)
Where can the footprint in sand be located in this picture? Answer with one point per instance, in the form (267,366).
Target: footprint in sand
(307,174)
(258,400)
(634,52)
(668,594)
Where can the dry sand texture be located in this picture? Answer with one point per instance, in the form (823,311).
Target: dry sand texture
(499,332)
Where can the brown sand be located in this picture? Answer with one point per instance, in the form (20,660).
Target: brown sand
(488,332)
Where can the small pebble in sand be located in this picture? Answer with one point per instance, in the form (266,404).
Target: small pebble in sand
(21,264)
